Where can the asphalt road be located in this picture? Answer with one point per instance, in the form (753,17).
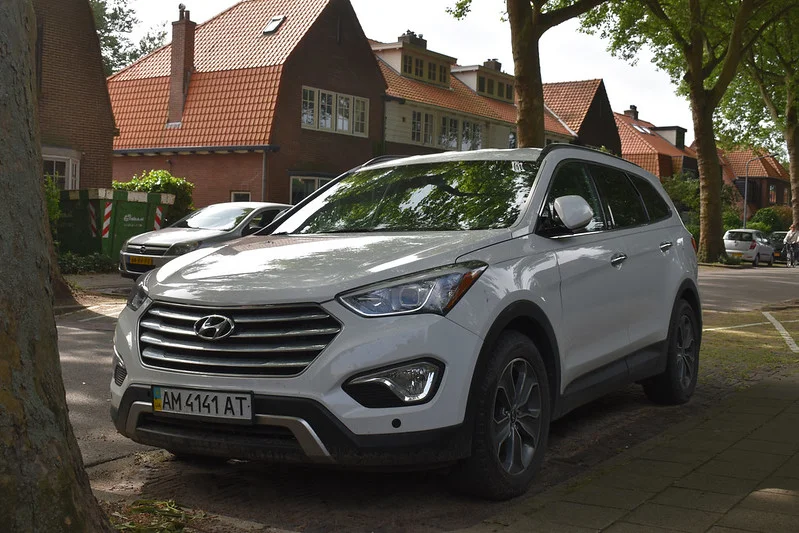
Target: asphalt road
(85,340)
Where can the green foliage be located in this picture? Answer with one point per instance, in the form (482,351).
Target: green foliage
(727,260)
(70,263)
(52,197)
(114,21)
(683,189)
(760,226)
(731,219)
(785,214)
(769,218)
(164,182)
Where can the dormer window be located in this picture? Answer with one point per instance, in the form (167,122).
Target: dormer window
(274,24)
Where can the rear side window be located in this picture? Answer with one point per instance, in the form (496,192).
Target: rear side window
(620,199)
(656,206)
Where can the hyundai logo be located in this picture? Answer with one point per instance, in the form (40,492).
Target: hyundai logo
(214,327)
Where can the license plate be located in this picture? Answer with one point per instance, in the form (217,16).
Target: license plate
(737,254)
(776,254)
(228,405)
(139,260)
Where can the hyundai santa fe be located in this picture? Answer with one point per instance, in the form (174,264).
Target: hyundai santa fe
(430,310)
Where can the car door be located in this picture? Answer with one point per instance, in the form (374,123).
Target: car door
(643,264)
(594,292)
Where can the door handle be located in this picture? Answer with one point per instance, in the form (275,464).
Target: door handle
(618,259)
(665,245)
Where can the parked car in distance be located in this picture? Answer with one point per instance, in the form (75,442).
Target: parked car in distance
(749,245)
(431,310)
(208,226)
(776,239)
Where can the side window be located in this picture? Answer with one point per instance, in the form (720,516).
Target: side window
(619,198)
(263,219)
(570,178)
(655,205)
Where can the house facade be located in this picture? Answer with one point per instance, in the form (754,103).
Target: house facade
(247,107)
(768,181)
(75,118)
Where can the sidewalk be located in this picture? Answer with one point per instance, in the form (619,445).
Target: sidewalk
(734,469)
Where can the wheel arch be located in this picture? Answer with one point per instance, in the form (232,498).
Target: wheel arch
(529,320)
(689,292)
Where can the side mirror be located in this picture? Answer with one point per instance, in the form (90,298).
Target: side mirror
(573,211)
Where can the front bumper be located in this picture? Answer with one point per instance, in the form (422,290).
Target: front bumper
(286,430)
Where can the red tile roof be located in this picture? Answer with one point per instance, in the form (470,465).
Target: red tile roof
(759,168)
(459,98)
(648,150)
(570,100)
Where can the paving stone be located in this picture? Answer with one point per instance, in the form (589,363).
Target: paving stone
(751,457)
(649,467)
(762,521)
(527,525)
(772,389)
(609,497)
(715,435)
(765,446)
(626,527)
(634,481)
(720,484)
(700,443)
(768,408)
(678,455)
(772,502)
(721,529)
(666,516)
(777,432)
(696,499)
(790,468)
(756,471)
(781,484)
(577,514)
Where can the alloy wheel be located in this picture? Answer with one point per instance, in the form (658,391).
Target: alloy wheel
(516,421)
(686,351)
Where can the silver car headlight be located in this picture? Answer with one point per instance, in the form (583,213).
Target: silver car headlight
(138,296)
(432,291)
(183,248)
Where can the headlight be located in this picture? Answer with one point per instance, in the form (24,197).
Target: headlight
(183,248)
(432,291)
(138,295)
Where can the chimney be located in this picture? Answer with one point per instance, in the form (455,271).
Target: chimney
(493,64)
(411,38)
(182,64)
(632,112)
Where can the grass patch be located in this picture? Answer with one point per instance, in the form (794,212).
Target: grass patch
(152,516)
(732,357)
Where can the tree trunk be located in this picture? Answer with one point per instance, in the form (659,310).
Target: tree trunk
(43,486)
(527,69)
(711,243)
(791,135)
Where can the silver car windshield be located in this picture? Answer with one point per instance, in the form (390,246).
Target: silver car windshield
(443,196)
(219,217)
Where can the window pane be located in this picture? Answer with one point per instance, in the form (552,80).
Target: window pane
(442,74)
(481,84)
(416,126)
(343,113)
(512,142)
(419,67)
(240,196)
(655,205)
(428,128)
(571,178)
(302,187)
(325,110)
(490,86)
(466,138)
(431,71)
(477,137)
(359,120)
(407,64)
(452,139)
(309,107)
(620,199)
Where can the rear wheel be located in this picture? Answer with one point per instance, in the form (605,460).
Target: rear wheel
(677,383)
(511,425)
(756,260)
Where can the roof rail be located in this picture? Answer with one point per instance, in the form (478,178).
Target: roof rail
(555,146)
(379,159)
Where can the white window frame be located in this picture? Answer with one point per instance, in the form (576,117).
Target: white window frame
(336,126)
(416,127)
(428,127)
(71,160)
(234,193)
(318,182)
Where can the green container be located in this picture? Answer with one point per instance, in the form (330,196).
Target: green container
(101,220)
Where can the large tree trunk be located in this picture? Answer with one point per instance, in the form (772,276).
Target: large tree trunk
(527,69)
(791,134)
(43,486)
(711,243)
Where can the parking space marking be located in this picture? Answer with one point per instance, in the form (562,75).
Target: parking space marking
(785,335)
(753,324)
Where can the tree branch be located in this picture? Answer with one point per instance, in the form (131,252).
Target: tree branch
(550,19)
(657,10)
(732,58)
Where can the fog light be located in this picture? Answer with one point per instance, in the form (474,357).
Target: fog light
(408,384)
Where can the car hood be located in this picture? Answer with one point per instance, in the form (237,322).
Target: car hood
(170,236)
(279,269)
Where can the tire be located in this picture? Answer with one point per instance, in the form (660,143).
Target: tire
(756,260)
(518,420)
(678,382)
(771,260)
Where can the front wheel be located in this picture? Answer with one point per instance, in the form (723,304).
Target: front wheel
(511,425)
(678,382)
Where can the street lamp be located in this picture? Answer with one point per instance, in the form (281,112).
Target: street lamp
(746,182)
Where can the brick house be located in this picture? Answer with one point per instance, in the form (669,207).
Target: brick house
(265,101)
(769,181)
(75,117)
(659,150)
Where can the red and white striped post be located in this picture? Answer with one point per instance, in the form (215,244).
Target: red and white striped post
(92,220)
(158,214)
(107,220)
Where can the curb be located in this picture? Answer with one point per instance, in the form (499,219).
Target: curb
(721,265)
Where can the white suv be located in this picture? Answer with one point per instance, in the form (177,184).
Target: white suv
(425,310)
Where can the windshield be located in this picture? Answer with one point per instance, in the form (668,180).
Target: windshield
(445,196)
(219,217)
(738,236)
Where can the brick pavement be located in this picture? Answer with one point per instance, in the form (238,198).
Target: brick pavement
(734,469)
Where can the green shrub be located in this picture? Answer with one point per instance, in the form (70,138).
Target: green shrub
(52,197)
(683,189)
(730,219)
(760,226)
(693,229)
(164,182)
(785,214)
(70,263)
(767,218)
(727,260)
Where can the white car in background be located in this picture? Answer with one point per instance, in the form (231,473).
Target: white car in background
(749,245)
(438,309)
(206,226)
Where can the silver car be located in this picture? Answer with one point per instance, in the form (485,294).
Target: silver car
(203,227)
(749,245)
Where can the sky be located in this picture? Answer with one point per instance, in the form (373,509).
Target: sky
(566,54)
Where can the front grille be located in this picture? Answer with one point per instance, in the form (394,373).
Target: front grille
(266,341)
(148,249)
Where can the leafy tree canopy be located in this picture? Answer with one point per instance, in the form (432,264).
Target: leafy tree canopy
(114,21)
